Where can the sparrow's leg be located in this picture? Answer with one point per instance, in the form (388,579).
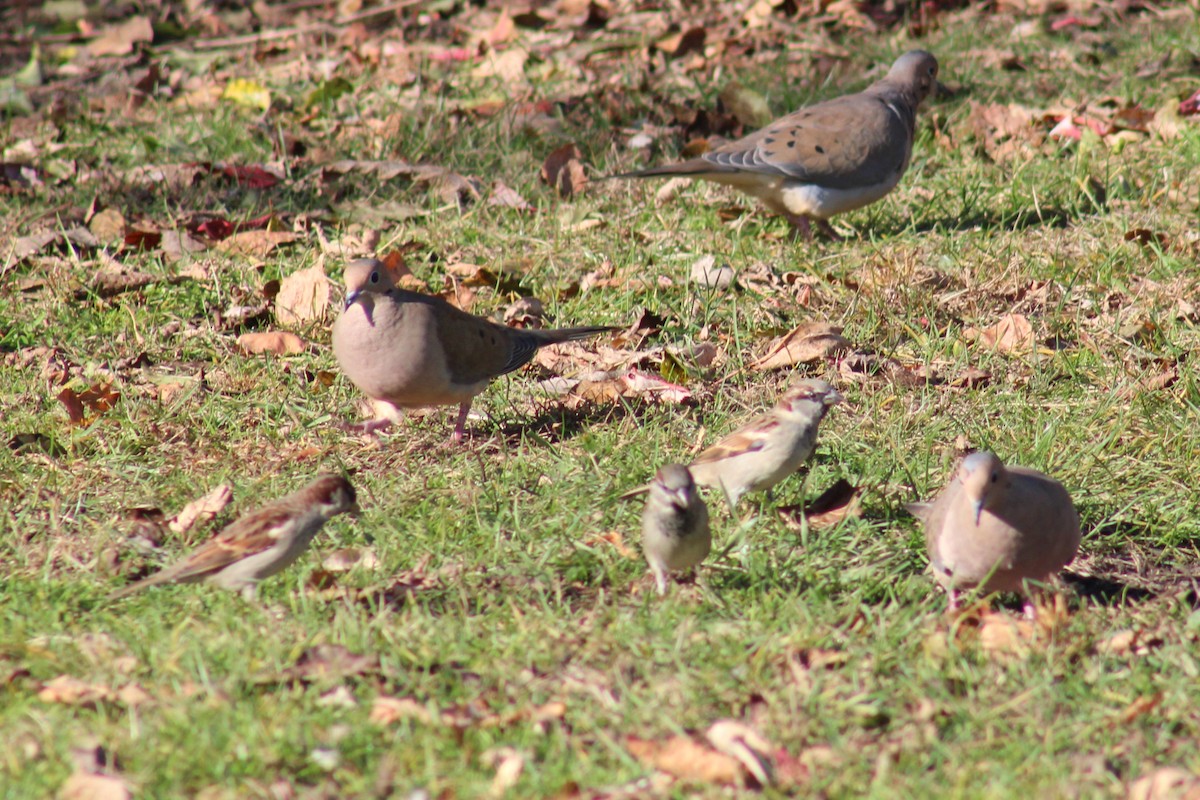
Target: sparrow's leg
(828,230)
(800,227)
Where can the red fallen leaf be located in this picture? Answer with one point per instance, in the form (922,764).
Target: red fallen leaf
(218,229)
(142,240)
(74,408)
(251,176)
(1191,105)
(98,398)
(1071,20)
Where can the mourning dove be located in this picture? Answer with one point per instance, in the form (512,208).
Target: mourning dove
(260,543)
(825,159)
(997,528)
(675,532)
(404,349)
(766,449)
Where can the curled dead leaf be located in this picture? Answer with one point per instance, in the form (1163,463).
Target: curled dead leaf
(203,509)
(840,501)
(808,341)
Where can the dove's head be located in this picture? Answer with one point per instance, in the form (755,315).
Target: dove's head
(980,474)
(811,398)
(673,484)
(366,275)
(917,69)
(333,494)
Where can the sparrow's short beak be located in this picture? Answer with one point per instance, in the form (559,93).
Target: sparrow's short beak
(833,398)
(350,298)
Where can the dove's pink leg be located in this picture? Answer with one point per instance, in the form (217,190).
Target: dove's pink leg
(953,593)
(460,425)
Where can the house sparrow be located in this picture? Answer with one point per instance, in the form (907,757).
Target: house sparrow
(261,543)
(997,528)
(405,349)
(770,447)
(675,532)
(825,159)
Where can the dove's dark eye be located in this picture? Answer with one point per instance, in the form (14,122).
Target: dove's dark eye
(995,477)
(375,277)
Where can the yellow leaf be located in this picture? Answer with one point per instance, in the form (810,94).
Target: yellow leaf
(247,93)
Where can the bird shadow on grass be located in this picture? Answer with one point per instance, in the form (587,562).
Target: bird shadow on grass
(557,423)
(1133,573)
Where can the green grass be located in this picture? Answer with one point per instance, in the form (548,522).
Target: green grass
(494,595)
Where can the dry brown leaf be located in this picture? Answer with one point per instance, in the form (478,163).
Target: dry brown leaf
(255,244)
(348,558)
(838,502)
(1012,334)
(686,760)
(1138,708)
(503,195)
(507,66)
(739,740)
(303,296)
(90,786)
(808,341)
(71,691)
(388,710)
(1129,642)
(1165,783)
(613,538)
(508,764)
(108,225)
(280,343)
(117,40)
(971,378)
(563,169)
(1003,636)
(330,661)
(203,509)
(99,398)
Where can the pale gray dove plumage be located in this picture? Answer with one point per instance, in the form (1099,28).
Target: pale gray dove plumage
(675,531)
(827,158)
(260,543)
(997,528)
(404,349)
